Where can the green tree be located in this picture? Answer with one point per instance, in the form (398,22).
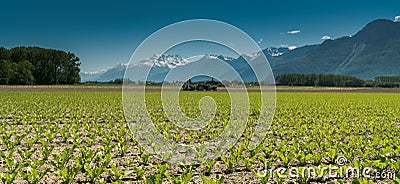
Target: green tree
(24,70)
(4,54)
(34,65)
(5,71)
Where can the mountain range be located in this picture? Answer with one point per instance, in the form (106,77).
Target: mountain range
(373,51)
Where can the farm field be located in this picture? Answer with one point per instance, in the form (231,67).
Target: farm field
(80,136)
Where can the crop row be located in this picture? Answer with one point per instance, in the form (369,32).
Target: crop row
(69,137)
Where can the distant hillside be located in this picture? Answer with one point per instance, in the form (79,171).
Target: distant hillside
(373,51)
(291,55)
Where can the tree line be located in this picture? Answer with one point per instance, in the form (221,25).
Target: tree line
(319,80)
(388,79)
(328,80)
(385,82)
(38,66)
(331,80)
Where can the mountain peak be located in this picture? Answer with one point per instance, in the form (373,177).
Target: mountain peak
(379,30)
(373,51)
(380,21)
(164,60)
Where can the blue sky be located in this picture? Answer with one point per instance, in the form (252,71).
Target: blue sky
(105,33)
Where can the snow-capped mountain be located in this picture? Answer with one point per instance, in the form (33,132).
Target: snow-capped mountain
(91,76)
(165,60)
(160,64)
(275,52)
(270,53)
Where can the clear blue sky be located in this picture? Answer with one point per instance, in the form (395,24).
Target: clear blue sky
(105,33)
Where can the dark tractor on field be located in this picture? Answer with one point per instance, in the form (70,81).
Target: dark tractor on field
(201,85)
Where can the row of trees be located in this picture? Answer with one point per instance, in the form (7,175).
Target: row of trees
(34,65)
(292,80)
(384,82)
(337,81)
(388,79)
(319,80)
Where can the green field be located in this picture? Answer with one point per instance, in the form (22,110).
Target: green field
(77,136)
